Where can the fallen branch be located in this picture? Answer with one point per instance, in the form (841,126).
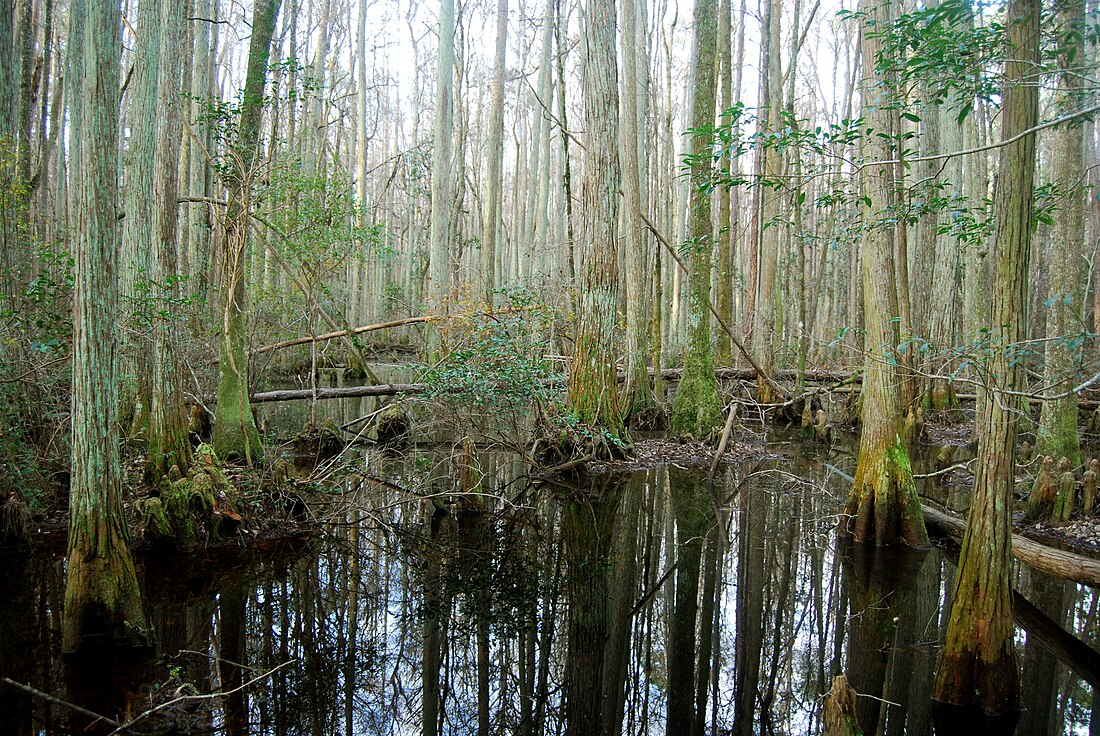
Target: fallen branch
(205,696)
(392,389)
(340,333)
(1079,656)
(346,392)
(721,322)
(64,703)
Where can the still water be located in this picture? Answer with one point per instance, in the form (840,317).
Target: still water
(618,605)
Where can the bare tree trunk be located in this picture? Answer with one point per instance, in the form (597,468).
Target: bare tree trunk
(494,176)
(168,444)
(566,170)
(636,391)
(102,599)
(439,269)
(766,207)
(593,386)
(727,232)
(138,227)
(1057,434)
(977,672)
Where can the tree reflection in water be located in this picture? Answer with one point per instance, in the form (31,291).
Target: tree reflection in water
(644,604)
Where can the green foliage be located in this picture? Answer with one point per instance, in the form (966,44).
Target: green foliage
(495,362)
(319,219)
(35,343)
(953,53)
(943,50)
(161,304)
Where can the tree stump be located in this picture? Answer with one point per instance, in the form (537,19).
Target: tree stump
(1067,488)
(840,710)
(1040,502)
(1088,495)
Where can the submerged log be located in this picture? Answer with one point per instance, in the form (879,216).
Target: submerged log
(1056,562)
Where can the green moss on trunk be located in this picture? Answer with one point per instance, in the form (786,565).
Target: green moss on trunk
(696,409)
(1057,432)
(882,505)
(235,434)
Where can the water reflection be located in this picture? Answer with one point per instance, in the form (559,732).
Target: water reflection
(644,604)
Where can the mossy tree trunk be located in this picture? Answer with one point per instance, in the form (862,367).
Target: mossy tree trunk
(235,433)
(102,599)
(882,505)
(978,671)
(593,397)
(697,409)
(1057,434)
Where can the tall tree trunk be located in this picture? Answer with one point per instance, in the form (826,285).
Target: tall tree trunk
(727,232)
(942,301)
(696,410)
(563,120)
(978,672)
(1057,433)
(882,505)
(167,443)
(11,214)
(766,207)
(439,263)
(235,433)
(138,227)
(637,394)
(102,599)
(494,178)
(199,233)
(593,386)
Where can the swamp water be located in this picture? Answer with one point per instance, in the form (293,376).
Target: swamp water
(609,606)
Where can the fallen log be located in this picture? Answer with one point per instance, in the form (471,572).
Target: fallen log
(1056,562)
(345,392)
(392,389)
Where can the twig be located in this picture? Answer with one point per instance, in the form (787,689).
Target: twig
(35,369)
(945,471)
(208,696)
(58,701)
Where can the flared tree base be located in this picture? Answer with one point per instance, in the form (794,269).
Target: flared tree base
(882,505)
